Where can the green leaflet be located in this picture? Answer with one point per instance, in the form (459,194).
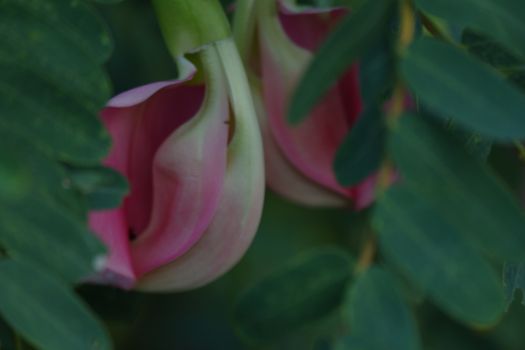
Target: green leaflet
(378,314)
(52,85)
(352,37)
(464,190)
(46,312)
(437,258)
(499,19)
(103,187)
(362,150)
(457,86)
(305,289)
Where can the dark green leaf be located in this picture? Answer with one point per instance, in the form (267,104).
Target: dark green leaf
(104,187)
(108,1)
(44,311)
(47,225)
(14,175)
(488,50)
(357,32)
(455,85)
(435,256)
(7,337)
(377,312)
(462,189)
(40,233)
(52,85)
(474,144)
(497,56)
(304,290)
(362,150)
(352,343)
(499,19)
(41,175)
(377,70)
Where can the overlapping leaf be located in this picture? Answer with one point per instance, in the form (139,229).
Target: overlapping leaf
(52,89)
(457,86)
(357,32)
(462,188)
(305,289)
(46,312)
(52,83)
(363,148)
(434,255)
(499,19)
(378,314)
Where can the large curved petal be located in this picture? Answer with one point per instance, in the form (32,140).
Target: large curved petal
(188,178)
(160,116)
(237,217)
(312,145)
(112,228)
(281,176)
(121,117)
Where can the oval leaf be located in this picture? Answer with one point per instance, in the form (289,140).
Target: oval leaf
(378,313)
(453,84)
(45,312)
(500,19)
(463,190)
(104,187)
(305,289)
(362,150)
(59,49)
(437,258)
(357,32)
(40,233)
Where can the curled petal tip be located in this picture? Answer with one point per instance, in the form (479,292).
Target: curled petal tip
(196,196)
(300,158)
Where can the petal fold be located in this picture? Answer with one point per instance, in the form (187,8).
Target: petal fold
(238,214)
(188,178)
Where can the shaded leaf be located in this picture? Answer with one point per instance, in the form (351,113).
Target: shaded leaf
(445,78)
(14,175)
(488,50)
(44,311)
(499,19)
(362,150)
(7,337)
(497,56)
(352,37)
(436,257)
(40,233)
(104,187)
(463,190)
(379,314)
(377,69)
(57,46)
(303,290)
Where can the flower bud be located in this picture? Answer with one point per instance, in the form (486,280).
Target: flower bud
(191,151)
(299,158)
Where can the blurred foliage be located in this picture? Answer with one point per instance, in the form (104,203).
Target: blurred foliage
(438,262)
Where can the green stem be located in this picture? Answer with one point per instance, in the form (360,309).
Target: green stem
(244,24)
(188,25)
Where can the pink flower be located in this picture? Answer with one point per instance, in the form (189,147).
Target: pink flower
(192,153)
(299,158)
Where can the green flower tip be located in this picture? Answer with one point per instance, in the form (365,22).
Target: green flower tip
(188,25)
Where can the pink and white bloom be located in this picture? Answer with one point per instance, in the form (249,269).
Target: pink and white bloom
(191,151)
(299,158)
